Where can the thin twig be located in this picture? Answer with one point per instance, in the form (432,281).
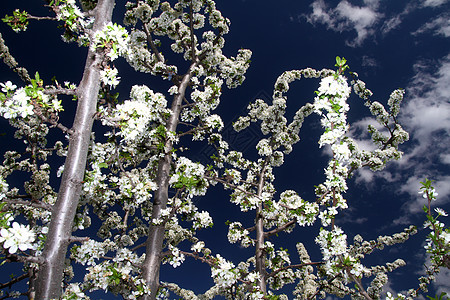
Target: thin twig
(14,280)
(152,44)
(280,229)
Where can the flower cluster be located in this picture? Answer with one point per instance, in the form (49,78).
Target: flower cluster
(438,240)
(139,117)
(117,275)
(17,237)
(189,175)
(3,187)
(76,23)
(109,77)
(73,291)
(333,245)
(113,39)
(223,272)
(18,21)
(90,251)
(16,103)
(330,103)
(237,233)
(290,207)
(27,101)
(176,258)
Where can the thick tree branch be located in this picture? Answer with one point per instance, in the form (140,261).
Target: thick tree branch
(260,235)
(154,244)
(50,274)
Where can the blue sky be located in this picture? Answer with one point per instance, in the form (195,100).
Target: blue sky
(390,44)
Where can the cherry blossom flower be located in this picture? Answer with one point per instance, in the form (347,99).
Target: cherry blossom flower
(17,237)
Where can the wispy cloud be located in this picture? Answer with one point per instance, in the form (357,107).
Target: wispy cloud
(346,17)
(369,19)
(367,61)
(394,21)
(439,26)
(434,3)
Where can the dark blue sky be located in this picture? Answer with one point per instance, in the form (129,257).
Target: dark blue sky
(391,44)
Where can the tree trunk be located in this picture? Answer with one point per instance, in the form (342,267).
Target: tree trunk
(155,240)
(260,255)
(50,274)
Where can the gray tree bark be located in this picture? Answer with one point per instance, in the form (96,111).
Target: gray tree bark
(155,239)
(50,273)
(260,254)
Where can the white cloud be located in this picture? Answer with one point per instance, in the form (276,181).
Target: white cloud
(347,17)
(427,110)
(368,61)
(442,282)
(368,20)
(434,3)
(425,114)
(396,20)
(439,26)
(445,158)
(392,23)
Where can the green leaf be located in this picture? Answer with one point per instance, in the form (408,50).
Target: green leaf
(440,297)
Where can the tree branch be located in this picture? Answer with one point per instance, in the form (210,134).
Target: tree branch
(50,274)
(36,203)
(361,289)
(151,43)
(74,239)
(60,91)
(14,280)
(281,228)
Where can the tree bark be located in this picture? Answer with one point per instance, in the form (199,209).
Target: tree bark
(155,239)
(50,273)
(260,255)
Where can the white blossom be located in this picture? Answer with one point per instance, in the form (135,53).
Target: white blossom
(197,247)
(19,105)
(8,86)
(109,77)
(114,38)
(440,212)
(176,258)
(17,237)
(223,274)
